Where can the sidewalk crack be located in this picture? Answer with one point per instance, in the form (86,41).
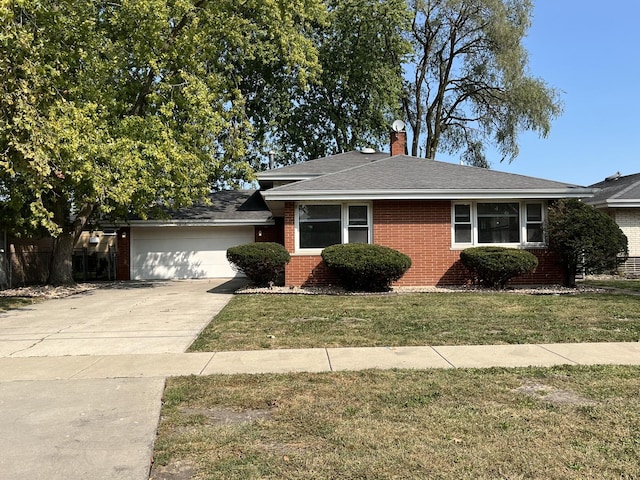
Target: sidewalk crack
(207,364)
(326,350)
(442,356)
(39,341)
(556,353)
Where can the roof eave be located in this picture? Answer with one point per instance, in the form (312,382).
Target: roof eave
(199,223)
(470,194)
(292,176)
(631,203)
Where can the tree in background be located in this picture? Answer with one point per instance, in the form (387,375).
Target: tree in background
(133,106)
(583,235)
(353,101)
(468,84)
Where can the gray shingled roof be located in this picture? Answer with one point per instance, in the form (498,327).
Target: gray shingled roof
(227,206)
(323,166)
(617,190)
(403,174)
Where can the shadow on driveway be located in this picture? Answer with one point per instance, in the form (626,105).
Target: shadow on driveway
(231,286)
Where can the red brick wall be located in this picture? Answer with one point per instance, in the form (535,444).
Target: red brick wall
(420,229)
(123,271)
(270,233)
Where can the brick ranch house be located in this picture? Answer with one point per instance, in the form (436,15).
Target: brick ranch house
(427,209)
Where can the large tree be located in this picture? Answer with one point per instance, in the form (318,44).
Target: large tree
(131,106)
(354,99)
(468,85)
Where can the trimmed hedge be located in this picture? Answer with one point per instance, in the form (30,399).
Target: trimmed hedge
(261,262)
(495,266)
(365,267)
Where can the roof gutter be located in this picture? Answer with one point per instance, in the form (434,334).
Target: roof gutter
(199,223)
(632,203)
(578,192)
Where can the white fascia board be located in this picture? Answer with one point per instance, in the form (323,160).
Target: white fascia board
(199,223)
(291,176)
(429,195)
(631,203)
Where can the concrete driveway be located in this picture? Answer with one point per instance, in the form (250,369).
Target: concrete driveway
(94,428)
(129,318)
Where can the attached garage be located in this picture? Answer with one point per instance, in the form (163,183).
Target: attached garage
(185,252)
(192,242)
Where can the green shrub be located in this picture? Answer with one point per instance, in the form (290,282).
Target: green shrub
(365,267)
(261,262)
(584,236)
(495,266)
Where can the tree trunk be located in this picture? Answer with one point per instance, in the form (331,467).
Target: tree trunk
(570,272)
(61,265)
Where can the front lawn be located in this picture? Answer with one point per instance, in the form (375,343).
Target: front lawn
(562,422)
(620,283)
(252,322)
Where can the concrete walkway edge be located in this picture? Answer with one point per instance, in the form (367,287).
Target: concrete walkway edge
(85,367)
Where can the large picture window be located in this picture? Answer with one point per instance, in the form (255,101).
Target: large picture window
(490,223)
(322,225)
(498,222)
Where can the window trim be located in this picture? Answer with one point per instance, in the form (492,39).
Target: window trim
(344,223)
(522,218)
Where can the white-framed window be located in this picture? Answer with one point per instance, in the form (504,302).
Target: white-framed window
(319,225)
(508,223)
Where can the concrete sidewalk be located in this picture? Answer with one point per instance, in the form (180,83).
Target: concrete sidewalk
(87,367)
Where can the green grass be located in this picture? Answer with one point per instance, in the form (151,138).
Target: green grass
(9,303)
(252,322)
(562,423)
(623,284)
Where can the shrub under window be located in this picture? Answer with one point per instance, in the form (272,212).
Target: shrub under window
(261,262)
(365,267)
(495,266)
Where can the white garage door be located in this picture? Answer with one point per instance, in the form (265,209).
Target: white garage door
(184,252)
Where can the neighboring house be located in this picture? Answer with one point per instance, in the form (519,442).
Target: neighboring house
(619,196)
(192,242)
(426,209)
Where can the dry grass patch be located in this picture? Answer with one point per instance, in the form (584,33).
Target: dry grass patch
(564,422)
(252,322)
(10,303)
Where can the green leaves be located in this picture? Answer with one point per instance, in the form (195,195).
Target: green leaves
(582,235)
(132,105)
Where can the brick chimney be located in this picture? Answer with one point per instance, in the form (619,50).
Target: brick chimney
(398,143)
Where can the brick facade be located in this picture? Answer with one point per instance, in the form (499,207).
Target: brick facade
(420,229)
(628,219)
(270,233)
(123,268)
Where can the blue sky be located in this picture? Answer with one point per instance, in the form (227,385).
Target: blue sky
(590,52)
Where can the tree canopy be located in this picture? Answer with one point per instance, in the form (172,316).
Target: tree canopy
(357,94)
(132,106)
(468,84)
(584,236)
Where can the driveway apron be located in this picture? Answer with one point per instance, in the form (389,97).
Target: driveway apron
(96,428)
